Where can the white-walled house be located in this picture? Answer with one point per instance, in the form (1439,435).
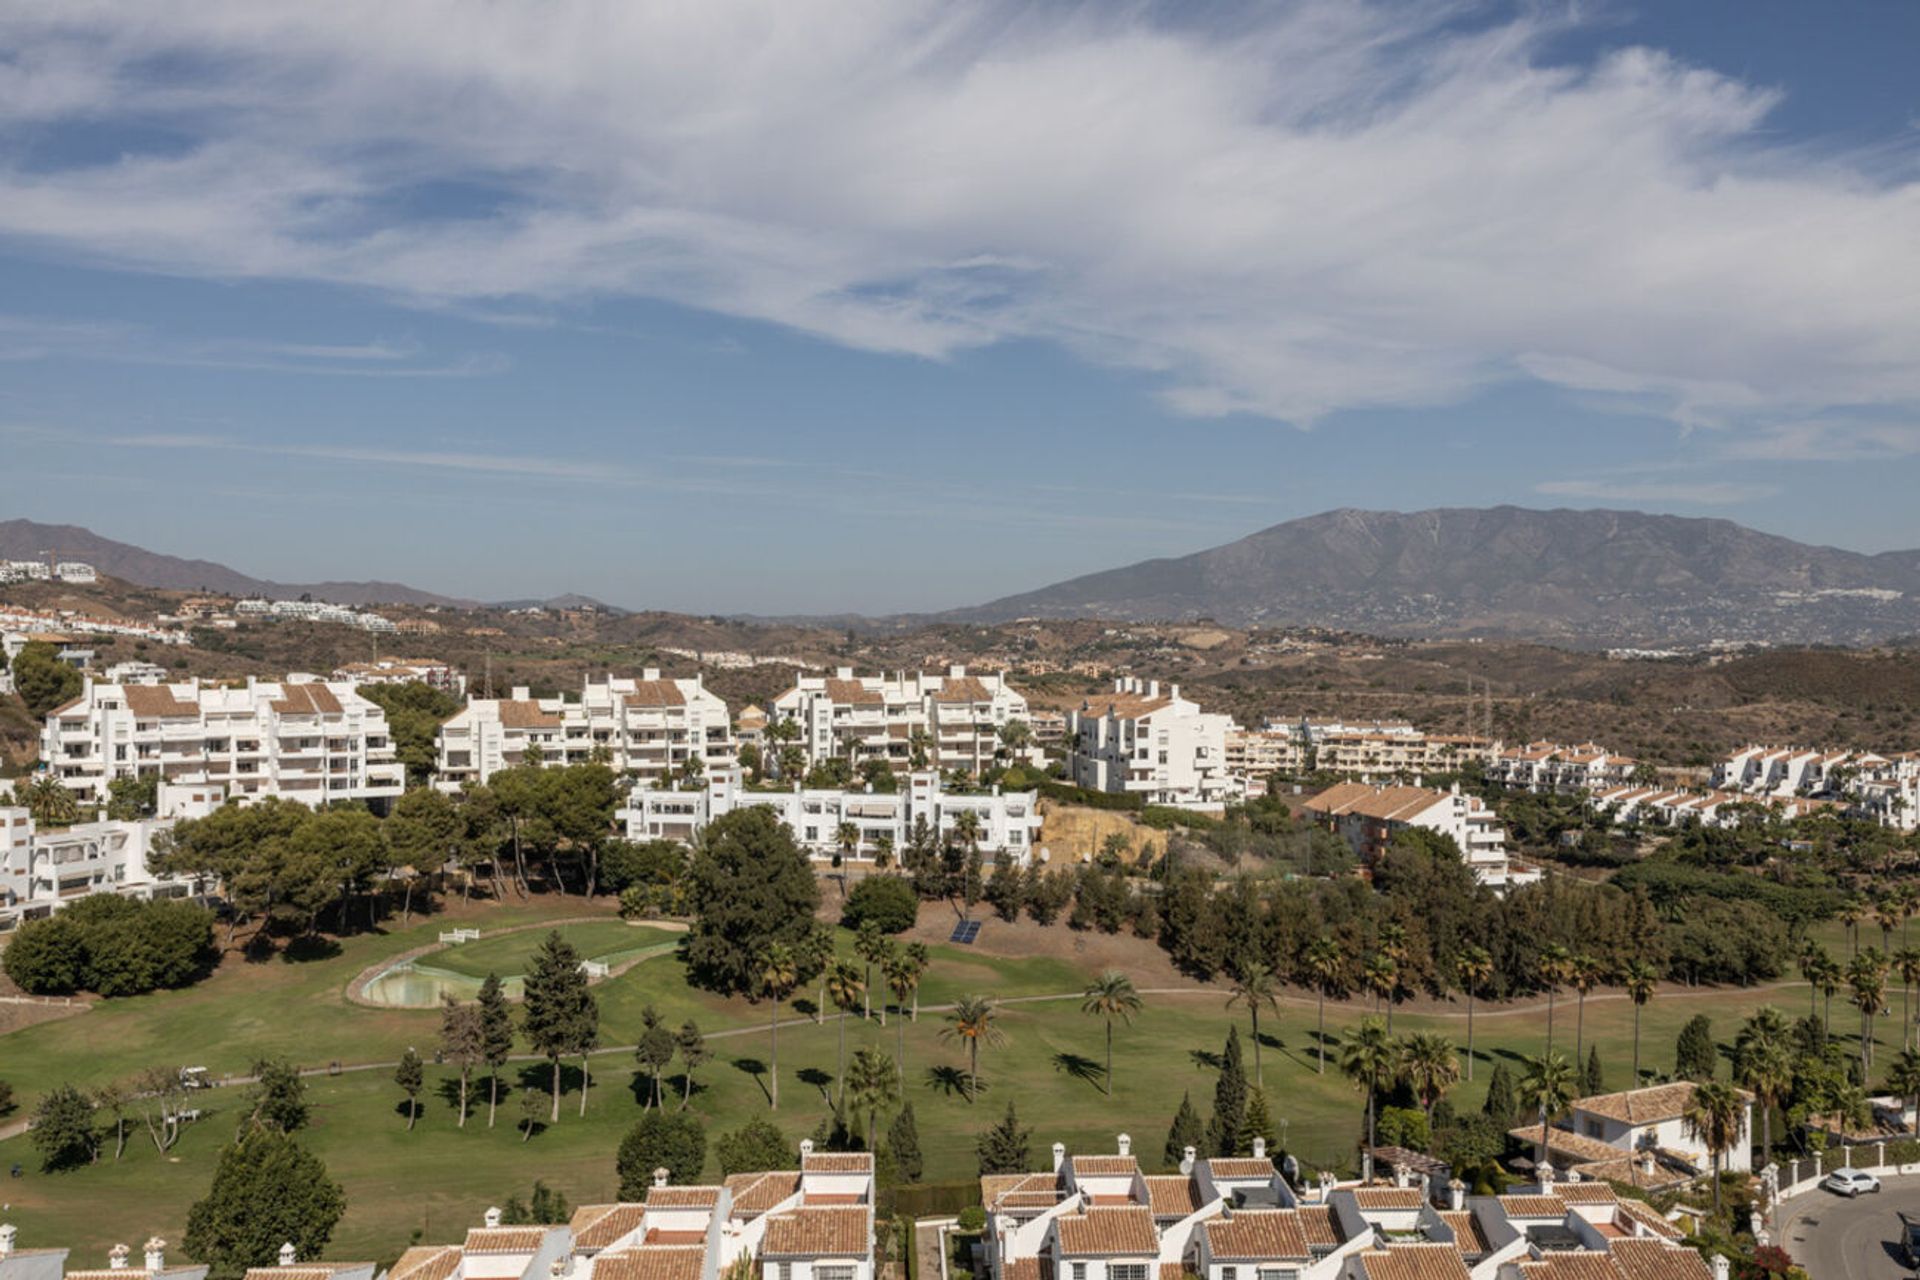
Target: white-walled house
(1638,1136)
(1008,821)
(1367,817)
(1145,739)
(952,720)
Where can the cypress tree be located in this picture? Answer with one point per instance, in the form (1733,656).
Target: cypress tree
(903,1140)
(496,1038)
(1501,1102)
(1007,1147)
(1694,1055)
(1186,1131)
(1594,1080)
(1258,1123)
(1229,1101)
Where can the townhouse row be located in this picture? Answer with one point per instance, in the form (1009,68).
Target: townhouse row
(1556,769)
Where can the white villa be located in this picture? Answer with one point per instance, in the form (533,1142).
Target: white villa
(1638,1137)
(1367,817)
(1146,740)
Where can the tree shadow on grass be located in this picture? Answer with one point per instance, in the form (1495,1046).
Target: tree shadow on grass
(449,1091)
(952,1081)
(819,1080)
(802,1005)
(757,1069)
(305,949)
(1211,1059)
(1080,1068)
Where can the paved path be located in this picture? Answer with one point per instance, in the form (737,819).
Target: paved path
(1834,1238)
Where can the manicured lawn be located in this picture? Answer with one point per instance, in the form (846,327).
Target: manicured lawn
(512,953)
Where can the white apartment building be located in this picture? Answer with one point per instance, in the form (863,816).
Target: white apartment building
(1367,817)
(42,871)
(1669,808)
(955,719)
(307,741)
(24,571)
(1008,821)
(648,727)
(1375,752)
(1146,740)
(1797,771)
(1562,770)
(427,671)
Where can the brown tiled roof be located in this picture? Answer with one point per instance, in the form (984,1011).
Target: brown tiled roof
(962,689)
(996,1188)
(505,1239)
(608,1224)
(755,1193)
(1027,1269)
(1657,1260)
(837,1162)
(1125,706)
(1321,1226)
(835,1231)
(1575,1146)
(653,1262)
(1240,1167)
(1650,1218)
(1571,1266)
(426,1262)
(1468,1235)
(1534,1206)
(1105,1166)
(1387,1197)
(306,700)
(682,1197)
(1585,1192)
(854,693)
(304,1271)
(157,700)
(1106,1232)
(1256,1235)
(1172,1196)
(1385,803)
(1414,1262)
(518,714)
(1642,1106)
(750,714)
(656,693)
(62,709)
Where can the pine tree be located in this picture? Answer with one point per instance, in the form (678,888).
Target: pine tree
(558,1011)
(410,1075)
(1007,1147)
(1594,1081)
(279,1096)
(903,1140)
(1501,1100)
(1258,1123)
(1186,1131)
(1229,1101)
(63,1130)
(267,1190)
(1694,1055)
(496,1037)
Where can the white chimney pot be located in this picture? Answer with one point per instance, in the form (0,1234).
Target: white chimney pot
(660,1177)
(8,1234)
(1059,1155)
(1187,1159)
(491,1217)
(1259,1148)
(1125,1144)
(156,1254)
(117,1257)
(288,1254)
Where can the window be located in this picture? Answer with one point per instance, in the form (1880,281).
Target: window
(1279,1273)
(1079,1271)
(1126,1271)
(832,1271)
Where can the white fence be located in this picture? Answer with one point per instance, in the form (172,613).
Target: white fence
(1800,1176)
(460,935)
(593,968)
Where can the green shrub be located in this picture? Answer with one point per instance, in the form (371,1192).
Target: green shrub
(973,1218)
(887,901)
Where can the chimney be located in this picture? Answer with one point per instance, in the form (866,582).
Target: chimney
(491,1217)
(1456,1195)
(1546,1176)
(1187,1155)
(806,1147)
(660,1176)
(8,1233)
(1059,1155)
(650,673)
(156,1254)
(288,1254)
(117,1257)
(1327,1183)
(1402,1176)
(1124,1144)
(558,1267)
(1720,1266)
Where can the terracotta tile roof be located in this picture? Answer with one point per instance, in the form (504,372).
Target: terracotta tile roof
(1008,1190)
(1414,1262)
(1533,1206)
(303,1271)
(1657,1260)
(1125,706)
(1321,1226)
(1387,1197)
(682,1197)
(1650,1218)
(1468,1235)
(836,1231)
(656,693)
(1642,1106)
(755,1193)
(1585,1192)
(1384,803)
(1027,1269)
(608,1223)
(1172,1196)
(1106,1232)
(1105,1166)
(525,714)
(157,700)
(306,700)
(853,693)
(653,1262)
(1240,1167)
(962,689)
(837,1162)
(62,709)
(505,1239)
(1576,1146)
(426,1262)
(1571,1266)
(1256,1235)
(750,715)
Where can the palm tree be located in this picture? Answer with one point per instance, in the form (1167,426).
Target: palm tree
(1642,980)
(1430,1065)
(1549,1085)
(872,1081)
(903,979)
(1253,987)
(872,946)
(1886,914)
(918,955)
(1380,975)
(973,1020)
(1585,973)
(50,803)
(1556,964)
(1827,976)
(883,851)
(1867,976)
(1852,912)
(1112,995)
(1811,956)
(1325,964)
(1763,1064)
(815,954)
(1712,1118)
(1473,970)
(966,829)
(1369,1057)
(779,973)
(845,988)
(1903,1077)
(1906,962)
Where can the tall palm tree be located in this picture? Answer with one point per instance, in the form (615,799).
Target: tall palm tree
(1867,977)
(1712,1118)
(1585,973)
(1556,966)
(903,979)
(845,988)
(872,1080)
(1325,964)
(1369,1057)
(1763,1064)
(1109,996)
(1254,986)
(1852,912)
(1380,975)
(1548,1084)
(1642,980)
(973,1019)
(1430,1064)
(883,851)
(872,946)
(920,958)
(779,973)
(815,954)
(1810,966)
(1906,962)
(1886,914)
(1903,1077)
(1473,970)
(1827,976)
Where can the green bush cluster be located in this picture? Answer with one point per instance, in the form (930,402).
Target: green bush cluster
(113,946)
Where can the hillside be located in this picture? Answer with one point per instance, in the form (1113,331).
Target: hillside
(1590,578)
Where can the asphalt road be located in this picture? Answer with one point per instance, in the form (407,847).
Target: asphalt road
(1839,1239)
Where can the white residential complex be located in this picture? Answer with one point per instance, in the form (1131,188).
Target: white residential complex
(1006,823)
(1101,1217)
(315,611)
(649,728)
(1148,741)
(427,671)
(1367,817)
(1561,770)
(312,742)
(73,571)
(918,720)
(1376,752)
(1639,1137)
(42,871)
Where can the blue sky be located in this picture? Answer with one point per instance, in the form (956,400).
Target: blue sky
(874,306)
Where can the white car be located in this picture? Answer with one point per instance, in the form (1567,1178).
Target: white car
(1850,1182)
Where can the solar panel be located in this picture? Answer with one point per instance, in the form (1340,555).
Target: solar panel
(965,932)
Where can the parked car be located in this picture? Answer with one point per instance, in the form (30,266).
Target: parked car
(1850,1182)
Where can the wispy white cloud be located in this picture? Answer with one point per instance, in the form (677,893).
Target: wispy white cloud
(1705,493)
(1289,209)
(1827,440)
(31,338)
